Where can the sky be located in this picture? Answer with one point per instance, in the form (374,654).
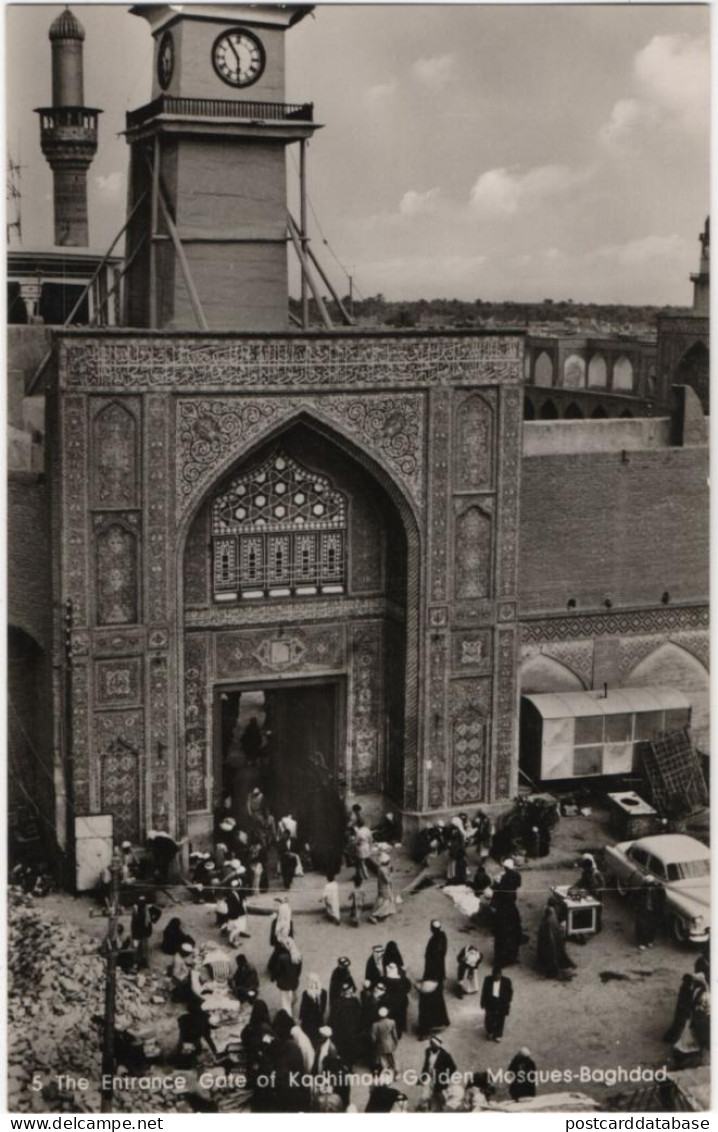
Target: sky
(469,151)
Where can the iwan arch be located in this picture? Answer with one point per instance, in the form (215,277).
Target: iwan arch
(382,636)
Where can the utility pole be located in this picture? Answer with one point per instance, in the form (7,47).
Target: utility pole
(303,228)
(108,1037)
(351,295)
(67,624)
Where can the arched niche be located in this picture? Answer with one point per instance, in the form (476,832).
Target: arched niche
(116,574)
(599,414)
(540,673)
(597,372)
(574,372)
(573,413)
(529,410)
(474,456)
(548,411)
(672,666)
(114,448)
(472,554)
(623,375)
(543,369)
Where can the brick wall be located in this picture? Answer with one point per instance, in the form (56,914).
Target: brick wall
(627,527)
(29,594)
(31,785)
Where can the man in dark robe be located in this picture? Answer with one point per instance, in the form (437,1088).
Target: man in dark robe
(438,1066)
(288,849)
(144,917)
(345,1019)
(432,1007)
(388,831)
(163,848)
(496,995)
(522,1068)
(435,953)
(650,903)
(682,1013)
(374,970)
(481,880)
(481,835)
(251,740)
(340,976)
(593,882)
(552,957)
(507,885)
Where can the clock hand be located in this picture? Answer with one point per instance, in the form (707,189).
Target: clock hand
(235,53)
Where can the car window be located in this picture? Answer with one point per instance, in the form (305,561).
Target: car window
(656,867)
(689,870)
(638,856)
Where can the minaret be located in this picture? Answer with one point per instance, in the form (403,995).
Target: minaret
(702,280)
(68,132)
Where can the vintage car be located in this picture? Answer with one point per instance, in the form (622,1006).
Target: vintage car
(681,864)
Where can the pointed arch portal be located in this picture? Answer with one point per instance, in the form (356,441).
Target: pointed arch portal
(299,578)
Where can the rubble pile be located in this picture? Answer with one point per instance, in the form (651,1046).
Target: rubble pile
(56,989)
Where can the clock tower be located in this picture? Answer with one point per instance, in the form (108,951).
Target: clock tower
(207,233)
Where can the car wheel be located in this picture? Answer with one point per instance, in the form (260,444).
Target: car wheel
(679,929)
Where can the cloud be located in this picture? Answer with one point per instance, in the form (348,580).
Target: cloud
(505,192)
(646,250)
(111,186)
(628,115)
(671,77)
(382,90)
(436,71)
(674,71)
(414,203)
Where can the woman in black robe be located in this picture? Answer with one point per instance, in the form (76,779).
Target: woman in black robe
(244,982)
(522,1068)
(552,958)
(285,1063)
(252,1038)
(393,955)
(432,1007)
(174,936)
(345,1019)
(507,934)
(396,998)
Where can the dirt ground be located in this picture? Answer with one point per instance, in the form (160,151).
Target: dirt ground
(612,1014)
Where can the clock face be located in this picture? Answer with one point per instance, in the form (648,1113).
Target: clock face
(238,57)
(166,60)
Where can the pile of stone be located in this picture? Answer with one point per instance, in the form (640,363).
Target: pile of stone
(56,989)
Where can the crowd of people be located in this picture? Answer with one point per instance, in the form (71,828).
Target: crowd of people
(304,1056)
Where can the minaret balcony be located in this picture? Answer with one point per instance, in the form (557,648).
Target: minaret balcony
(68,135)
(56,118)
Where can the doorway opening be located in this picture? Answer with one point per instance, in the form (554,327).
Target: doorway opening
(285,738)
